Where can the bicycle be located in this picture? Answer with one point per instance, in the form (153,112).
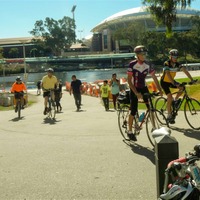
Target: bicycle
(191,107)
(51,109)
(149,118)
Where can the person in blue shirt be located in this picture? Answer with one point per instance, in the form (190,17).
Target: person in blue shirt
(114,84)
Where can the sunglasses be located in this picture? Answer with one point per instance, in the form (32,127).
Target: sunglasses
(175,57)
(143,53)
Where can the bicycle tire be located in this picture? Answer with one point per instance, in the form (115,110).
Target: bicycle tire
(19,109)
(53,109)
(150,127)
(192,113)
(123,117)
(161,105)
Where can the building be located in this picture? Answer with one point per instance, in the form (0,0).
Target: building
(139,15)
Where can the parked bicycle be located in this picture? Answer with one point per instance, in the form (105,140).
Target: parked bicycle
(149,118)
(182,178)
(191,107)
(51,109)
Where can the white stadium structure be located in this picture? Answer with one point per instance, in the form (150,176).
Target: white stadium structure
(104,29)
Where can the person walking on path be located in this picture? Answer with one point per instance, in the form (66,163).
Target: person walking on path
(137,72)
(58,95)
(114,84)
(76,89)
(49,82)
(167,81)
(104,92)
(39,87)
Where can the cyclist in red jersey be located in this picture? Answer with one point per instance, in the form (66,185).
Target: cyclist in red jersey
(137,71)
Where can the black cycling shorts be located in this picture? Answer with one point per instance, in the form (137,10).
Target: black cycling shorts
(134,99)
(166,86)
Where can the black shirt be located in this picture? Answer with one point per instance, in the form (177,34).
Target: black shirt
(76,86)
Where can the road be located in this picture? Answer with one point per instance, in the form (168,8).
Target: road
(80,155)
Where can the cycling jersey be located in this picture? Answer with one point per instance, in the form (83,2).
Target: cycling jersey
(18,87)
(139,72)
(172,70)
(49,82)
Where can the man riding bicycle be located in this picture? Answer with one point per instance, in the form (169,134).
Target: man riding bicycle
(167,81)
(137,72)
(18,88)
(49,82)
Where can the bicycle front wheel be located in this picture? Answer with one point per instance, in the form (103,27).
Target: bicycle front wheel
(161,105)
(19,109)
(155,120)
(123,117)
(53,109)
(192,113)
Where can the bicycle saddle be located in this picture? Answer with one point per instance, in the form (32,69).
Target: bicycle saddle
(161,131)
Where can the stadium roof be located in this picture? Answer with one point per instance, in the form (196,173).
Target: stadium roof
(138,13)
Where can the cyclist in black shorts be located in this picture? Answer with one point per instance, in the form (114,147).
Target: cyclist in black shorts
(137,71)
(171,66)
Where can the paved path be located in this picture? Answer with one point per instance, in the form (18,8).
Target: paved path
(81,155)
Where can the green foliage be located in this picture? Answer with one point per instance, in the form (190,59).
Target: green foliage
(54,35)
(164,11)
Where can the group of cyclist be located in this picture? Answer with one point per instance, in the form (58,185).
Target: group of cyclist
(136,74)
(47,83)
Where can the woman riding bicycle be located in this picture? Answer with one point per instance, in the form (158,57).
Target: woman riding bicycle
(171,66)
(137,72)
(18,88)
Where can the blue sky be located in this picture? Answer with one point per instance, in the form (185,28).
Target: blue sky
(19,16)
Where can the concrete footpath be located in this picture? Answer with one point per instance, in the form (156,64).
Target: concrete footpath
(80,155)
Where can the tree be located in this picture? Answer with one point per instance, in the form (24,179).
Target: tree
(14,52)
(54,35)
(164,11)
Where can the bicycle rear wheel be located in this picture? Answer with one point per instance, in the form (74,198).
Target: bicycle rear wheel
(161,105)
(192,113)
(154,120)
(123,117)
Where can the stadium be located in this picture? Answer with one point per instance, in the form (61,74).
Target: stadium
(102,33)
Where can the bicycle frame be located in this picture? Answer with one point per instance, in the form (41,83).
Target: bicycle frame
(51,105)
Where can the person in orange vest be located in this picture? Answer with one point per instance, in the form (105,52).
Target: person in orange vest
(18,88)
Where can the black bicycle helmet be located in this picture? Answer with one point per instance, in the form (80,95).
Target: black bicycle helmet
(50,70)
(173,52)
(18,78)
(140,49)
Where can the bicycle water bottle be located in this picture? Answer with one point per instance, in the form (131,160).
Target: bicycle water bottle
(141,116)
(196,175)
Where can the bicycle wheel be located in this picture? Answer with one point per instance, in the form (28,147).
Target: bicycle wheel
(123,116)
(161,105)
(19,109)
(53,109)
(192,113)
(154,120)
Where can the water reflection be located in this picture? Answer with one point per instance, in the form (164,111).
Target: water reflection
(83,75)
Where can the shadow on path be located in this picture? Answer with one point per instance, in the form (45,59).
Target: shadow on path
(140,150)
(188,132)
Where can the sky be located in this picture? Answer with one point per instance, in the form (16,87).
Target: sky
(19,16)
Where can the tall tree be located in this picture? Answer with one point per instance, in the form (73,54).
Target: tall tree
(53,34)
(164,11)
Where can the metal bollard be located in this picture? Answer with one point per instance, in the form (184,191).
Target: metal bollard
(166,150)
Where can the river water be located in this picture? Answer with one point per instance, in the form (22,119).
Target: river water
(83,75)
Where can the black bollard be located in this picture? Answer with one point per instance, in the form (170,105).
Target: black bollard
(166,150)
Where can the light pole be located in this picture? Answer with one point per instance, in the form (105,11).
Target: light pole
(73,9)
(80,31)
(24,56)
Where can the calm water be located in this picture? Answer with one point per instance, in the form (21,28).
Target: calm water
(83,75)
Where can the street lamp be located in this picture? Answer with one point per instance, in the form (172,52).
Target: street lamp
(73,9)
(80,31)
(24,56)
